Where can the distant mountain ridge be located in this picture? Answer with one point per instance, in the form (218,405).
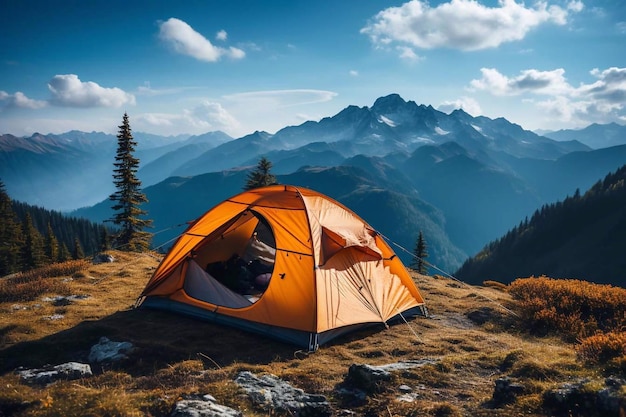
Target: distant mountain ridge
(479,175)
(595,136)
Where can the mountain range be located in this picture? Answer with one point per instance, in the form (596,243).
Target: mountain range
(463,180)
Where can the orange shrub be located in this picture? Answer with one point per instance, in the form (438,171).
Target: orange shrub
(602,347)
(496,284)
(572,307)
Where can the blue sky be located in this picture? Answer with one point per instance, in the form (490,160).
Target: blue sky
(190,67)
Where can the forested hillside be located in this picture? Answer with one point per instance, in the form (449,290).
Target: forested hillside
(581,237)
(32,236)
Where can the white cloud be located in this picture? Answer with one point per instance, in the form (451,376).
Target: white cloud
(212,115)
(206,116)
(610,87)
(575,6)
(468,104)
(532,80)
(68,90)
(354,73)
(185,40)
(20,100)
(221,35)
(602,101)
(408,53)
(285,98)
(462,24)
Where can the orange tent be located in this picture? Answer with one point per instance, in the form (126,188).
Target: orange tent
(311,268)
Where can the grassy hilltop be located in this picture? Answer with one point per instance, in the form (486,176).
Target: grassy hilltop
(537,332)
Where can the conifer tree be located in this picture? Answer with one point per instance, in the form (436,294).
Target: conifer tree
(51,246)
(10,235)
(64,253)
(77,252)
(261,175)
(32,253)
(104,239)
(128,197)
(421,253)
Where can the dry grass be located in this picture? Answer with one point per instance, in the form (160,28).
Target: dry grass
(177,356)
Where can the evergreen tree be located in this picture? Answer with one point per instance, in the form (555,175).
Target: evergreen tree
(77,252)
(131,236)
(51,246)
(421,253)
(64,253)
(10,235)
(260,176)
(32,253)
(104,239)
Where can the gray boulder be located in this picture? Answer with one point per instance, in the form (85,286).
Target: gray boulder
(506,391)
(372,379)
(109,351)
(102,258)
(584,398)
(47,374)
(202,406)
(269,393)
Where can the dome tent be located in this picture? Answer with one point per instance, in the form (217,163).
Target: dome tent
(328,271)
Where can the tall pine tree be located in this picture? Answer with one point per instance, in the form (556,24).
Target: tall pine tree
(261,175)
(128,197)
(77,252)
(421,253)
(51,247)
(10,235)
(32,251)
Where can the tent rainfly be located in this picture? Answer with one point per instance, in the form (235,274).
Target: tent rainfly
(286,262)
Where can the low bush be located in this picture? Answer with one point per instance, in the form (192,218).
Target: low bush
(603,347)
(30,285)
(496,285)
(573,308)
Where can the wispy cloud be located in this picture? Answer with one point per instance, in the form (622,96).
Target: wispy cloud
(285,98)
(408,54)
(185,40)
(69,91)
(222,35)
(601,101)
(19,100)
(468,104)
(462,24)
(206,116)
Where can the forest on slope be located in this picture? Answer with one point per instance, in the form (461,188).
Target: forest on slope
(581,237)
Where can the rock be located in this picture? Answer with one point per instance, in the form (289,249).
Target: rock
(351,396)
(271,393)
(204,406)
(109,351)
(61,300)
(368,378)
(102,258)
(405,389)
(480,316)
(583,398)
(371,379)
(45,375)
(506,392)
